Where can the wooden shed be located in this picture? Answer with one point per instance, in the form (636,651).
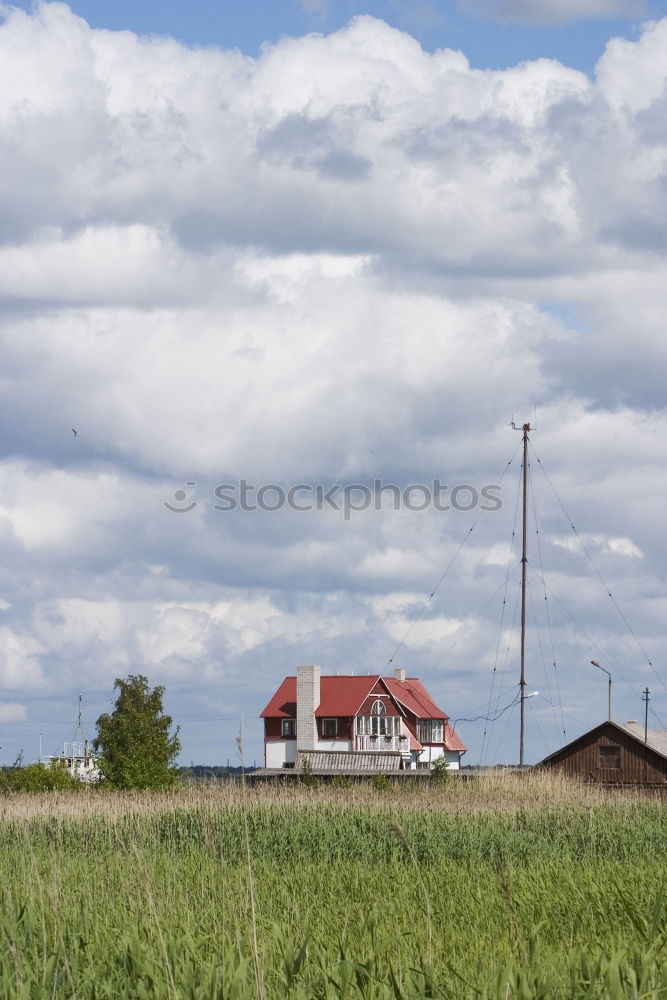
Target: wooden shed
(614,753)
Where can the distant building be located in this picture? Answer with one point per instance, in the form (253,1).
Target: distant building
(614,753)
(76,754)
(356,724)
(78,760)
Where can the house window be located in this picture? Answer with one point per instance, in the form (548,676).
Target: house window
(378,708)
(378,725)
(289,727)
(431,731)
(610,757)
(330,728)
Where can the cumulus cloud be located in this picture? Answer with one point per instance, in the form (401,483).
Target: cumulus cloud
(21,668)
(12,711)
(344,259)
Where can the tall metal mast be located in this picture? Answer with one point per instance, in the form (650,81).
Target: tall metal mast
(79,732)
(646,697)
(524,561)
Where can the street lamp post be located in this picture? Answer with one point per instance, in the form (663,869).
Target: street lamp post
(596,664)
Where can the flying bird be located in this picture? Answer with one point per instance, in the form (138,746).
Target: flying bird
(74,433)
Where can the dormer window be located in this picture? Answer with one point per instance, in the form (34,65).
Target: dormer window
(378,708)
(431,731)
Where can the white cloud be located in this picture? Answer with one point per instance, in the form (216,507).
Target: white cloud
(428,632)
(393,564)
(344,259)
(20,666)
(12,711)
(295,355)
(631,75)
(623,547)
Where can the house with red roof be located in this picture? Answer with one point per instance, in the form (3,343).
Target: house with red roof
(355,724)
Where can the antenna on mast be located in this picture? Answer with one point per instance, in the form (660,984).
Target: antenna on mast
(80,741)
(646,697)
(526,428)
(79,732)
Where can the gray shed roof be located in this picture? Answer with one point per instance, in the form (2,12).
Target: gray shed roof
(657,738)
(346,761)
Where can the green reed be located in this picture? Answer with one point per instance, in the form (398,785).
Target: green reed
(522,894)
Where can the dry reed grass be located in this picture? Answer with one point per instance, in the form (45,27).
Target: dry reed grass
(506,886)
(498,791)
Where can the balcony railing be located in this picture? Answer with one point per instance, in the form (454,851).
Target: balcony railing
(379,743)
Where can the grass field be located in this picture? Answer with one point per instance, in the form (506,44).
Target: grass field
(505,887)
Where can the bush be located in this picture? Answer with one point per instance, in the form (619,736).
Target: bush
(308,779)
(341,781)
(52,777)
(440,771)
(381,783)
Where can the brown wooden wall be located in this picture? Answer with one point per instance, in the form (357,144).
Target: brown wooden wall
(582,759)
(379,690)
(273,729)
(344,728)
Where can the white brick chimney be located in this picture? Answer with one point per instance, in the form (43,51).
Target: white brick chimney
(307,700)
(399,674)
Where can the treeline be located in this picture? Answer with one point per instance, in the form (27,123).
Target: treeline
(213,772)
(55,776)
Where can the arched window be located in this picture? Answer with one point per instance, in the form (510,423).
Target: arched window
(378,708)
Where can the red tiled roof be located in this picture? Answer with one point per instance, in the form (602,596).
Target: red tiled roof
(339,697)
(414,742)
(452,742)
(413,695)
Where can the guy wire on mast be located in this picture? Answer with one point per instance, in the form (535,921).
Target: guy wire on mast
(524,561)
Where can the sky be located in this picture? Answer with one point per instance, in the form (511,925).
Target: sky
(333,246)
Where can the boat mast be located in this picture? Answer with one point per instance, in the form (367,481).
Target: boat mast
(80,737)
(524,562)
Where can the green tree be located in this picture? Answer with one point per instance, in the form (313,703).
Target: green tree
(134,745)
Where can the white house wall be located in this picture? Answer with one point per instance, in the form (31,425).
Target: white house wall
(430,754)
(345,745)
(279,752)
